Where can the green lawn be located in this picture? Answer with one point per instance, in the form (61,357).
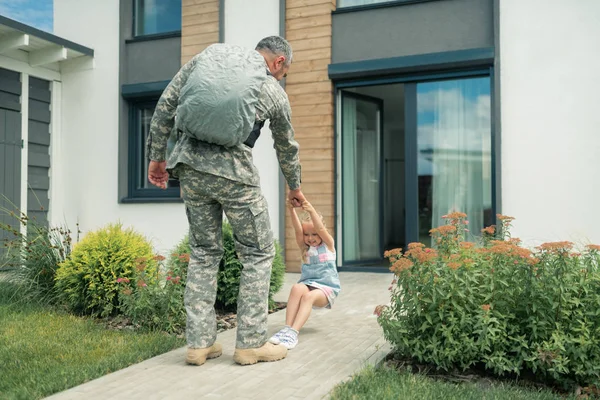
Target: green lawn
(44,351)
(387,383)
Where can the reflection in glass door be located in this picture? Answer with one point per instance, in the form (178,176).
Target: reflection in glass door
(361,178)
(454,152)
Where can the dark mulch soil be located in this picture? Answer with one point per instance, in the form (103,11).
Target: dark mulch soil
(225,320)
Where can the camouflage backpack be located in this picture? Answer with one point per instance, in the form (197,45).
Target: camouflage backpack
(217,104)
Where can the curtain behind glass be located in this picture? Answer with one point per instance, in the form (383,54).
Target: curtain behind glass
(454,136)
(368,162)
(361,186)
(349,180)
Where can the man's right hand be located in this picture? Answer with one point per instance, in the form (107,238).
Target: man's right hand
(296,197)
(157,174)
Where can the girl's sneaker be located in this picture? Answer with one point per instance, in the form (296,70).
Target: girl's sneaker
(289,338)
(276,338)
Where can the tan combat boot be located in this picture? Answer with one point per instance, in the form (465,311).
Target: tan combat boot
(268,352)
(199,356)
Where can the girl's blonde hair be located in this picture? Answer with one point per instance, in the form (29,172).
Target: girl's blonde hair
(306,218)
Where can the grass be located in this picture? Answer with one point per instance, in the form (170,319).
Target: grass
(387,383)
(44,351)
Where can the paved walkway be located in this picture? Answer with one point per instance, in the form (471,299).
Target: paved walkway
(333,345)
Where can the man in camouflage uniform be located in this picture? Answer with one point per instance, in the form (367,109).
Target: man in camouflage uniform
(216,179)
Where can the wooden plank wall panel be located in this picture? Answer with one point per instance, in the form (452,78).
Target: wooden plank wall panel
(199,26)
(308,29)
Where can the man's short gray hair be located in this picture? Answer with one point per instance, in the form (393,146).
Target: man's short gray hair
(278,46)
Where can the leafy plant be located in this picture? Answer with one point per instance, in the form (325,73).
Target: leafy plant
(160,305)
(228,279)
(277,274)
(498,305)
(32,258)
(230,270)
(87,280)
(155,304)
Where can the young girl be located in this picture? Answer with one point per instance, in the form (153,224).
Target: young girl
(319,282)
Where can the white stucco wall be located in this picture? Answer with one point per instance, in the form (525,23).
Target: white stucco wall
(87,158)
(550,85)
(246,23)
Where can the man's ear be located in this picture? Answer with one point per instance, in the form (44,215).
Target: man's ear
(280,61)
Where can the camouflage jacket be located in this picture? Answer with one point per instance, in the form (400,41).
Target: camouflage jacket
(233,163)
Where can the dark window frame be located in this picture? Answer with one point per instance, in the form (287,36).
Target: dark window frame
(382,4)
(135,164)
(380,105)
(138,37)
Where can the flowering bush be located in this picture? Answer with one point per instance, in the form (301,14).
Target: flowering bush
(153,299)
(497,304)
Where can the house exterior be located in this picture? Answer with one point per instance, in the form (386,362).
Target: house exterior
(33,65)
(404,110)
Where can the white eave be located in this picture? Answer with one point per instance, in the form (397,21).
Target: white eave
(41,49)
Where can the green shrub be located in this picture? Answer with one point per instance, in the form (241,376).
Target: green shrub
(228,280)
(33,258)
(499,305)
(87,281)
(277,274)
(230,271)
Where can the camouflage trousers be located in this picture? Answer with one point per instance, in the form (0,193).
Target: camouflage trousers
(206,197)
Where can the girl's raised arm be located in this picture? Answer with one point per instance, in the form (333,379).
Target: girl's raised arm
(297,227)
(318,224)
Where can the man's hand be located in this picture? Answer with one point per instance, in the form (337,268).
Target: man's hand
(296,197)
(157,174)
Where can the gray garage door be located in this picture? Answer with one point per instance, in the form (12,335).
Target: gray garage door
(10,150)
(38,180)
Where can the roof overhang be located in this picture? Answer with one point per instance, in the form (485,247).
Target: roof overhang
(42,49)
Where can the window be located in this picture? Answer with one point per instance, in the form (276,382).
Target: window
(156,16)
(410,152)
(139,186)
(454,160)
(361,176)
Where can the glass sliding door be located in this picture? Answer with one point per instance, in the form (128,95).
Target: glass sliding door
(454,152)
(361,178)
